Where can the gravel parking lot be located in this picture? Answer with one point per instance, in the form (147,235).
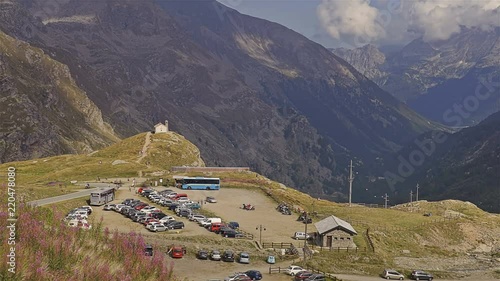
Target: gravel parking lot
(278,228)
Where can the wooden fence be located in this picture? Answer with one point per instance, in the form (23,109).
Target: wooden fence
(277,245)
(340,249)
(245,235)
(369,239)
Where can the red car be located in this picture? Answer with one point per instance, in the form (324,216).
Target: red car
(302,275)
(140,206)
(177,252)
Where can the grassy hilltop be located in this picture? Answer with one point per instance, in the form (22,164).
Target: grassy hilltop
(457,236)
(39,178)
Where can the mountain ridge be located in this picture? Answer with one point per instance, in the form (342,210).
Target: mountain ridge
(433,77)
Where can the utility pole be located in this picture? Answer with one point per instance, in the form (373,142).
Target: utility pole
(417,192)
(260,227)
(305,240)
(411,196)
(386,198)
(351,179)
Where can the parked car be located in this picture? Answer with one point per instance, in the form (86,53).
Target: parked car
(271,259)
(244,257)
(232,234)
(167,219)
(238,276)
(228,256)
(108,207)
(302,275)
(202,254)
(156,226)
(177,251)
(293,269)
(192,205)
(254,274)
(215,255)
(392,274)
(223,230)
(211,199)
(316,277)
(194,217)
(421,275)
(175,225)
(183,200)
(158,216)
(166,202)
(233,225)
(301,236)
(88,208)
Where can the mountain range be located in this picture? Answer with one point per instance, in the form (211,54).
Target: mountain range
(462,166)
(438,79)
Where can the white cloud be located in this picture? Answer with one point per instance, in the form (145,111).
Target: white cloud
(377,20)
(354,18)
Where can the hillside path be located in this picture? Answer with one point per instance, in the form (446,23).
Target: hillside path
(145,147)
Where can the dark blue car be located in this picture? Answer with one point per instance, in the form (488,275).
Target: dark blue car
(254,274)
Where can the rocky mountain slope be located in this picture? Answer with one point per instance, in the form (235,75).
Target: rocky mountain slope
(43,110)
(248,92)
(462,166)
(434,76)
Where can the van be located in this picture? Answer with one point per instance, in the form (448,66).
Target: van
(214,220)
(215,227)
(300,236)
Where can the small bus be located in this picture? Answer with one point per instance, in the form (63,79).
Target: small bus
(199,183)
(101,197)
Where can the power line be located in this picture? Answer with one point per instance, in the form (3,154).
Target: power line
(351,179)
(386,199)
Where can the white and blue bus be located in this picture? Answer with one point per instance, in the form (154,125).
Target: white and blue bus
(199,183)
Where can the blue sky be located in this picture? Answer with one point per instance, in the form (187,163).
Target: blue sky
(299,15)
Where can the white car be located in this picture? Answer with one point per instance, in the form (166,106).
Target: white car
(149,209)
(118,207)
(301,236)
(167,219)
(196,217)
(215,255)
(109,207)
(293,269)
(152,225)
(236,276)
(172,195)
(183,200)
(86,208)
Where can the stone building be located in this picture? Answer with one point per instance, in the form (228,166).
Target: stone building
(161,128)
(334,232)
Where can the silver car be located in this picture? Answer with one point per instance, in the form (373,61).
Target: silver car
(392,274)
(244,257)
